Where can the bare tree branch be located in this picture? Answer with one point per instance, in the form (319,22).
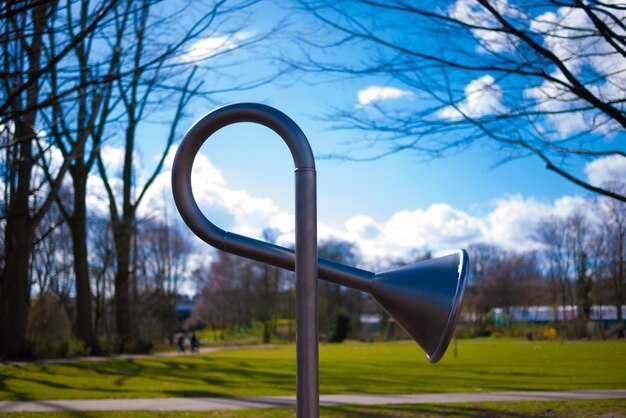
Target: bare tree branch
(511,73)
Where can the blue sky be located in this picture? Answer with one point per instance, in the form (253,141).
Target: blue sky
(389,206)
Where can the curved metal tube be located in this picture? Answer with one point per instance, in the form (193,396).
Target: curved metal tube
(304,262)
(238,244)
(425,298)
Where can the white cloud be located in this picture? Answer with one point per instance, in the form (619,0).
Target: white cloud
(378,93)
(439,227)
(514,220)
(97,200)
(113,159)
(442,228)
(606,169)
(482,97)
(553,98)
(39,183)
(248,215)
(210,47)
(561,32)
(472,13)
(573,38)
(565,33)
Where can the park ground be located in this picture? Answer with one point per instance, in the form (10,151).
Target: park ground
(349,368)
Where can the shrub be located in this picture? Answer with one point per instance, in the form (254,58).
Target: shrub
(77,348)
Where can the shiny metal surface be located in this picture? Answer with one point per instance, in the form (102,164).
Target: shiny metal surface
(305,260)
(424,298)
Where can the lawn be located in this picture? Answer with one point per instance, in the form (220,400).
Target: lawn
(596,408)
(394,367)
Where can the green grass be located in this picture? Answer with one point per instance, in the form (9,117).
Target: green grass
(596,408)
(397,367)
(244,336)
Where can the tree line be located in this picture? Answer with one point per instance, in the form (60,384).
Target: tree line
(577,260)
(77,74)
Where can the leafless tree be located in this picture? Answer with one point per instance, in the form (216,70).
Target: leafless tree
(613,232)
(539,78)
(86,77)
(31,54)
(335,300)
(51,258)
(269,292)
(160,266)
(582,246)
(503,279)
(514,283)
(485,260)
(557,258)
(160,72)
(572,252)
(102,271)
(226,300)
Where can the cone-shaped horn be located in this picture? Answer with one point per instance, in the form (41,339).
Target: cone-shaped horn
(425,299)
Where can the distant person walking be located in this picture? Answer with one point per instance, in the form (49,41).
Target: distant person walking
(195,343)
(180,339)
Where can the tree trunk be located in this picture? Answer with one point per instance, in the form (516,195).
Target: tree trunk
(266,305)
(15,289)
(583,287)
(620,318)
(19,226)
(122,235)
(618,281)
(78,226)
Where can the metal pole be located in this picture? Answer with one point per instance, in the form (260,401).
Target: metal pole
(307,368)
(307,381)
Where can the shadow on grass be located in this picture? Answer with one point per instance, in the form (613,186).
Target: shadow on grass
(197,376)
(351,368)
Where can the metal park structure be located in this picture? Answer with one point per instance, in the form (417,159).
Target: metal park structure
(424,297)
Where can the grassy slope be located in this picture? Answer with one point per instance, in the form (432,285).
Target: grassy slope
(597,408)
(398,367)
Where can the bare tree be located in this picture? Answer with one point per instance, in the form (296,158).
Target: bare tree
(160,79)
(226,299)
(80,118)
(511,284)
(335,300)
(268,295)
(541,79)
(581,244)
(30,57)
(162,251)
(557,257)
(102,271)
(485,259)
(613,232)
(51,258)
(572,252)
